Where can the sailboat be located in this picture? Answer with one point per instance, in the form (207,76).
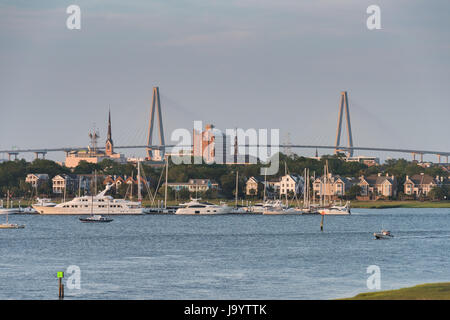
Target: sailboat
(277,207)
(308,207)
(237,208)
(94,217)
(8,225)
(327,208)
(8,209)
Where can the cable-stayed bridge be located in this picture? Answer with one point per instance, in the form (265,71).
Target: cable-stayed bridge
(162,147)
(43,151)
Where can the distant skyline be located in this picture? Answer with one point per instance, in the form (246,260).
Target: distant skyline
(238,63)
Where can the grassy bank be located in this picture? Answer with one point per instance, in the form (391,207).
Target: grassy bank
(429,291)
(400,204)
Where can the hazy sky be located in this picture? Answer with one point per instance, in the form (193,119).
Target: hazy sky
(234,63)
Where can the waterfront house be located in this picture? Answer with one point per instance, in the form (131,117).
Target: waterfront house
(36,179)
(291,183)
(66,182)
(421,184)
(253,185)
(375,186)
(334,186)
(194,185)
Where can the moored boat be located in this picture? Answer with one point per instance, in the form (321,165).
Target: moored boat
(197,207)
(96,218)
(336,210)
(99,204)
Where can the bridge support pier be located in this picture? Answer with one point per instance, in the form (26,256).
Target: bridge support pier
(414,156)
(43,153)
(15,154)
(439,158)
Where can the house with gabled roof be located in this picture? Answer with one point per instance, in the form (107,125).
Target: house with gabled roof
(334,185)
(421,184)
(194,185)
(253,185)
(375,186)
(291,183)
(65,182)
(36,179)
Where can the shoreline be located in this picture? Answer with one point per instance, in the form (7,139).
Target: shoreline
(426,291)
(388,204)
(355,204)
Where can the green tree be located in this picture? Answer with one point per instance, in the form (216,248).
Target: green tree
(353,192)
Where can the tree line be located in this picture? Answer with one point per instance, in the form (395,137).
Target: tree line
(13,174)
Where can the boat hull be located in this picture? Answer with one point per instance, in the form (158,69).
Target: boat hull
(9,211)
(96,221)
(11,226)
(87,211)
(330,213)
(203,211)
(289,211)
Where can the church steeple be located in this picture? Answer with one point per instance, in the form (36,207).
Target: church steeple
(109,148)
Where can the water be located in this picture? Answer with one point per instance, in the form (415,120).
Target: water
(224,257)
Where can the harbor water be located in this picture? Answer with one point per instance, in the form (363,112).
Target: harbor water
(224,256)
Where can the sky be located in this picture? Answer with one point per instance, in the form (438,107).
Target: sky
(277,64)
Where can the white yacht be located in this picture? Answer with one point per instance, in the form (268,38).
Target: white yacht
(8,209)
(195,206)
(336,210)
(45,202)
(99,204)
(277,207)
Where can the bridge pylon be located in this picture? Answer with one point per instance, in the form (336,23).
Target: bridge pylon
(158,153)
(343,108)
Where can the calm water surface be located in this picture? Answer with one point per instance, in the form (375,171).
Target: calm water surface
(224,257)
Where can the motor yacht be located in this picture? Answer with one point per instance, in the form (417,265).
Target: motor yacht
(197,207)
(98,204)
(336,210)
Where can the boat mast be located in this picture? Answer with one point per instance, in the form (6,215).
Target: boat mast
(236,195)
(165,189)
(79,187)
(132,180)
(305,189)
(139,181)
(265,183)
(95,181)
(314,195)
(7,206)
(286,190)
(65,187)
(92,194)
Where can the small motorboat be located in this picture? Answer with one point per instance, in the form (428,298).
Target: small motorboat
(11,226)
(96,218)
(384,234)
